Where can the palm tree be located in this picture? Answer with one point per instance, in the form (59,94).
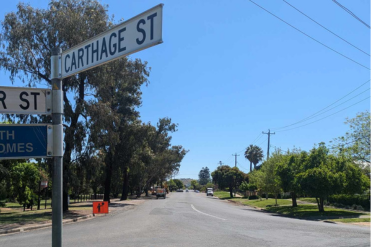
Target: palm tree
(254,154)
(249,155)
(258,155)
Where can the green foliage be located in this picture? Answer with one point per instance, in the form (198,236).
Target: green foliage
(24,181)
(179,184)
(254,154)
(172,185)
(253,197)
(356,142)
(326,175)
(204,176)
(266,178)
(244,186)
(194,184)
(363,200)
(225,176)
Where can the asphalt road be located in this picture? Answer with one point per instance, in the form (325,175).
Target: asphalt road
(192,219)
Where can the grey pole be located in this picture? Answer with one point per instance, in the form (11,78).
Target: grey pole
(57,202)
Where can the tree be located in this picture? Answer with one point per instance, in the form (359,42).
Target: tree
(172,185)
(288,169)
(325,175)
(27,39)
(194,184)
(254,154)
(24,180)
(225,176)
(179,184)
(266,178)
(356,142)
(204,176)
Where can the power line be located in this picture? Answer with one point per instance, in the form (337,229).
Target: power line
(316,113)
(326,116)
(310,36)
(327,28)
(306,119)
(351,13)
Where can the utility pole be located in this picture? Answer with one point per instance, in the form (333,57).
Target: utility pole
(220,163)
(269,140)
(235,159)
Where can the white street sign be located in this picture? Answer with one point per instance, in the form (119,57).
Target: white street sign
(133,35)
(18,100)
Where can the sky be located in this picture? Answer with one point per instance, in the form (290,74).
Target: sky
(229,70)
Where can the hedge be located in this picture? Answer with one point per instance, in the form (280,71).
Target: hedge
(349,200)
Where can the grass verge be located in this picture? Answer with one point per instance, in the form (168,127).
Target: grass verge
(307,211)
(352,220)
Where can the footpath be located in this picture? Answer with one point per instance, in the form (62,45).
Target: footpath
(72,216)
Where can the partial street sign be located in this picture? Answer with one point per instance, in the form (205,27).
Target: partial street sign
(100,207)
(133,35)
(19,141)
(19,100)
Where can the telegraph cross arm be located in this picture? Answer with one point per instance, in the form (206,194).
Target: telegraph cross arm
(18,100)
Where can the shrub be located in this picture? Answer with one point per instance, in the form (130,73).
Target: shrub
(253,197)
(351,200)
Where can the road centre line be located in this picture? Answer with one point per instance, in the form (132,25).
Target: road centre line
(193,207)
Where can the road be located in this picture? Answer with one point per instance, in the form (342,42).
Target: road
(192,219)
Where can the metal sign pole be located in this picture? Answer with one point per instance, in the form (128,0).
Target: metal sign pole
(57,201)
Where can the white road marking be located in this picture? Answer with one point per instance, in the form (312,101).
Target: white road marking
(198,211)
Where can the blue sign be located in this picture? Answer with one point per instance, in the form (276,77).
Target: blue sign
(25,141)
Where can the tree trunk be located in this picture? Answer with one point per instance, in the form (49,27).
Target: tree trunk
(125,185)
(320,204)
(107,182)
(275,197)
(250,166)
(294,202)
(231,191)
(321,208)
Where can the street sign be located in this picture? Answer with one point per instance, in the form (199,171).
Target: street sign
(100,207)
(133,35)
(26,141)
(43,184)
(19,100)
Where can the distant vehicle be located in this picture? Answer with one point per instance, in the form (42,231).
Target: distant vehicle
(197,191)
(160,192)
(186,190)
(210,192)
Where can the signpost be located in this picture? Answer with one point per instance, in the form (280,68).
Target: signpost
(18,100)
(25,141)
(133,35)
(43,141)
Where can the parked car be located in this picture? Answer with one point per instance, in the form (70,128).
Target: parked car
(160,192)
(210,192)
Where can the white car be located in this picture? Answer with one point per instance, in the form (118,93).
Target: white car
(209,193)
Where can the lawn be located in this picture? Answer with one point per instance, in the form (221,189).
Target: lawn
(352,220)
(306,210)
(263,203)
(13,213)
(222,195)
(307,199)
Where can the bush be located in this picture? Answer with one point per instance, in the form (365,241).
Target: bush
(253,197)
(351,200)
(272,196)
